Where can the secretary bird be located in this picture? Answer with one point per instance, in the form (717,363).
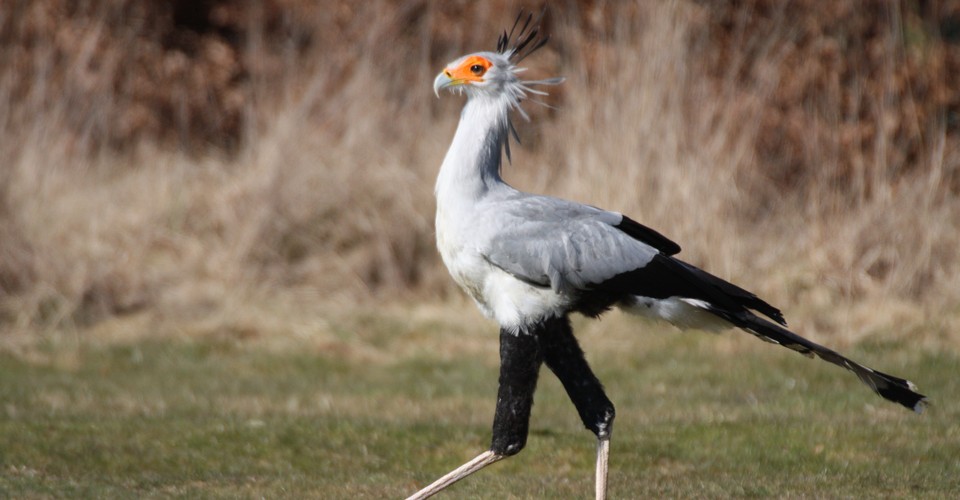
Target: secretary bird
(529,261)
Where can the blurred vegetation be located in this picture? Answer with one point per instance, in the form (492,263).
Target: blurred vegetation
(183,160)
(181,73)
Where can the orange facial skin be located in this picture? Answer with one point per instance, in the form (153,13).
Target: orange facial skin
(471,69)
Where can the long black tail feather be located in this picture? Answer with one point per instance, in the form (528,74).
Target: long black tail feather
(891,388)
(664,277)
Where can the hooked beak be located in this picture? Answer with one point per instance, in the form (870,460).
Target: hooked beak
(443,81)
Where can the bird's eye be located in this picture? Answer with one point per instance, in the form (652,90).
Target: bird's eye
(477,69)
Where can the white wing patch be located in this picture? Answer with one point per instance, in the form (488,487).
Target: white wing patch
(681,312)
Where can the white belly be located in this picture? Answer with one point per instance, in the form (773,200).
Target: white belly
(502,297)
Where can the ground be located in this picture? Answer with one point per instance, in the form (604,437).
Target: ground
(378,405)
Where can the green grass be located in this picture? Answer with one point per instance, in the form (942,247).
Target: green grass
(698,416)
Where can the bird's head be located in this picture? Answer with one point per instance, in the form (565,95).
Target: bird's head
(496,74)
(482,72)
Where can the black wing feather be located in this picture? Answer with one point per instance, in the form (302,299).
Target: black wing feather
(743,297)
(664,277)
(649,236)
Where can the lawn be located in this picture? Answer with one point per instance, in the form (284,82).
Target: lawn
(379,406)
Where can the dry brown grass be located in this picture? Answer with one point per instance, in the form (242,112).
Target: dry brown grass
(324,190)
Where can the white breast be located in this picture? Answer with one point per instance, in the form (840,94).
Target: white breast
(499,295)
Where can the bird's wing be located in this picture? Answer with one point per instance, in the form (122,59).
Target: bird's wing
(564,245)
(567,246)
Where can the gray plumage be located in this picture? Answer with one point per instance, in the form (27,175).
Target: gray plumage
(556,243)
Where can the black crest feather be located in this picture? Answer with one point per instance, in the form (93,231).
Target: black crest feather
(528,39)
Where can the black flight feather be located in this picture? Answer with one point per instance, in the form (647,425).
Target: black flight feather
(649,236)
(664,277)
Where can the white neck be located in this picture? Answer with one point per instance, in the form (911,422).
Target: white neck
(472,165)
